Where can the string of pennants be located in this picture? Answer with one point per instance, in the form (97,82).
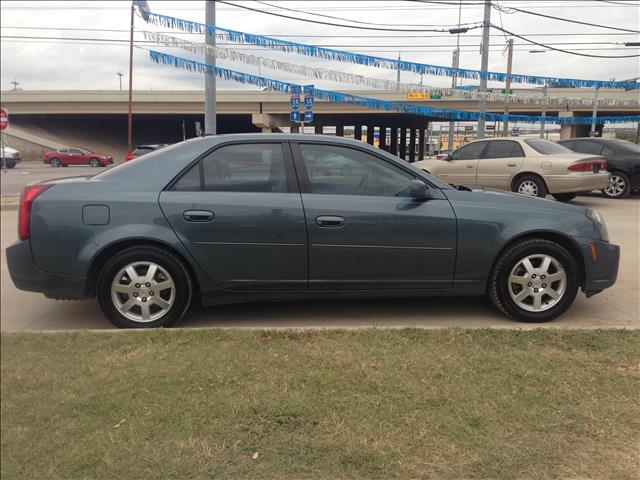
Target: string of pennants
(161,39)
(375,61)
(371,103)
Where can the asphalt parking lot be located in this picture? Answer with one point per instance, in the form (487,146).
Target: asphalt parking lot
(616,307)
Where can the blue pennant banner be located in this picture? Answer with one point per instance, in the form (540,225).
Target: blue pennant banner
(372,61)
(373,103)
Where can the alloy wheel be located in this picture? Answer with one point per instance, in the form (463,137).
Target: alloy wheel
(537,283)
(528,188)
(143,291)
(616,186)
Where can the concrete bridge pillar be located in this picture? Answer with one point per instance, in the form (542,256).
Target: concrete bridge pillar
(357,132)
(394,141)
(412,145)
(383,138)
(370,130)
(339,130)
(403,143)
(421,144)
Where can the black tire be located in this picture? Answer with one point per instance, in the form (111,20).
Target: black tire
(521,182)
(612,192)
(146,253)
(564,197)
(9,163)
(54,162)
(94,162)
(499,285)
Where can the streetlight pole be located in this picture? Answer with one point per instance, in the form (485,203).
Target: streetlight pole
(507,84)
(482,107)
(454,77)
(130,114)
(210,80)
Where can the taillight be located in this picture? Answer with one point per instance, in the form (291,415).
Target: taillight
(588,166)
(129,156)
(29,194)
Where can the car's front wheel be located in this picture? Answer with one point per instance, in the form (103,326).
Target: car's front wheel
(144,287)
(618,187)
(54,162)
(534,280)
(530,185)
(9,163)
(94,162)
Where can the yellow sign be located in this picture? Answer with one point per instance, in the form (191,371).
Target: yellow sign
(418,96)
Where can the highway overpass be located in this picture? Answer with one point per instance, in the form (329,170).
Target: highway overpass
(98,119)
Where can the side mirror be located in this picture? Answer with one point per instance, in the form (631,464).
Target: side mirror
(448,158)
(419,190)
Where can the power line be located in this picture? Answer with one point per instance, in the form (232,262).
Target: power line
(563,19)
(357,21)
(448,35)
(318,22)
(571,52)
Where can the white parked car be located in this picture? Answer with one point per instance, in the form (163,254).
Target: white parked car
(530,166)
(9,157)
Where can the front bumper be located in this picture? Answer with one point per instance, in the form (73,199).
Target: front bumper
(601,270)
(26,276)
(577,182)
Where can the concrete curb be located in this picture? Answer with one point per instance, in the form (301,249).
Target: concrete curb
(10,202)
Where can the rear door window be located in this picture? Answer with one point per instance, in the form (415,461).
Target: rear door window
(591,148)
(502,149)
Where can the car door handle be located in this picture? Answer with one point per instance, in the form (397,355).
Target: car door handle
(328,221)
(470,166)
(198,215)
(511,164)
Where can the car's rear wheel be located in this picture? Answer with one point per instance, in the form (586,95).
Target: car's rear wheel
(564,197)
(9,163)
(94,162)
(54,162)
(534,280)
(618,187)
(144,287)
(530,185)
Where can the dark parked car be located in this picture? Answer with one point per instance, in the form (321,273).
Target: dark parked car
(76,156)
(623,162)
(143,149)
(236,218)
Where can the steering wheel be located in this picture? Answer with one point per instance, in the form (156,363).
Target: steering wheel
(364,183)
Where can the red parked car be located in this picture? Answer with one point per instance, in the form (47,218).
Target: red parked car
(142,149)
(76,156)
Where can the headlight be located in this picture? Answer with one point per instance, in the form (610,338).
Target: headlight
(596,218)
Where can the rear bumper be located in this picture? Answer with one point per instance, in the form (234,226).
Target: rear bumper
(602,271)
(26,276)
(577,182)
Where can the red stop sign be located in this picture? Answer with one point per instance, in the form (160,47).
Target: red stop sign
(4,118)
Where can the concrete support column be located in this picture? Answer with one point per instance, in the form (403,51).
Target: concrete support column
(383,138)
(340,130)
(403,143)
(567,131)
(412,145)
(295,127)
(370,129)
(421,144)
(394,141)
(357,132)
(318,129)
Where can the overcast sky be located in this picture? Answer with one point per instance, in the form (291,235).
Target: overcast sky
(90,64)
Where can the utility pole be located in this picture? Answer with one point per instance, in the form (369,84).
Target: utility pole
(210,80)
(120,74)
(482,107)
(454,78)
(507,85)
(15,84)
(130,113)
(595,112)
(544,109)
(398,74)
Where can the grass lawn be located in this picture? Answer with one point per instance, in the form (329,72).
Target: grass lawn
(331,404)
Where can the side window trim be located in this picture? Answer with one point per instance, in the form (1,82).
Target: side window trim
(292,184)
(484,147)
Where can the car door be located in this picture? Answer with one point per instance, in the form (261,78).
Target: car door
(461,167)
(76,157)
(364,231)
(239,213)
(499,161)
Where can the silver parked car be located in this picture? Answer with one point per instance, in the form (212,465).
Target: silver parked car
(529,166)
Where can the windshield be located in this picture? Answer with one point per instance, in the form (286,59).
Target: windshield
(546,147)
(625,147)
